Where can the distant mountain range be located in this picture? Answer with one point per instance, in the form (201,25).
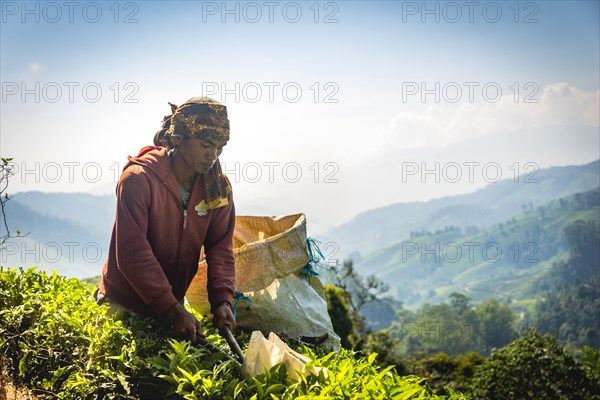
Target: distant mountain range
(503,260)
(78,225)
(69,232)
(381,227)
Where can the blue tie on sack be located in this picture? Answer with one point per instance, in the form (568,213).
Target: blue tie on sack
(239,296)
(308,271)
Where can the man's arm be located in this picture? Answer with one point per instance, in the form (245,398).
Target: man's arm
(221,264)
(135,258)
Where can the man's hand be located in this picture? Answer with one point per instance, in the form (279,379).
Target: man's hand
(186,325)
(223,317)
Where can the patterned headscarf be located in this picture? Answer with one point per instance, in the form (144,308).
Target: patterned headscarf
(199,117)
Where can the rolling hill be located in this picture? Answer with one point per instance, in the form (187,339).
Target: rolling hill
(503,260)
(381,227)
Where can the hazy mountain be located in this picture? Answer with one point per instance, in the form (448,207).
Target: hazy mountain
(81,218)
(375,229)
(95,213)
(503,260)
(72,248)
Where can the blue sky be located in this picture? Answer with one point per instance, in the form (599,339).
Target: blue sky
(364,61)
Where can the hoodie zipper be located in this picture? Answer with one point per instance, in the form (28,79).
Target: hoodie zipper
(183,227)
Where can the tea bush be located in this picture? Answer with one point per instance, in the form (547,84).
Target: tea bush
(56,340)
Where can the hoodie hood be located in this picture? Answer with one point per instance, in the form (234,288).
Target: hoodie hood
(152,159)
(155,159)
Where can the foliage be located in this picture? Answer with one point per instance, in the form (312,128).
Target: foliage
(6,171)
(58,341)
(347,377)
(584,256)
(381,313)
(504,260)
(572,303)
(387,348)
(534,367)
(571,314)
(93,281)
(496,323)
(584,245)
(456,328)
(353,332)
(351,294)
(339,313)
(442,370)
(361,290)
(571,288)
(590,359)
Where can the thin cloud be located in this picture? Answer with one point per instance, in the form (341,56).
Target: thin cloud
(35,67)
(441,125)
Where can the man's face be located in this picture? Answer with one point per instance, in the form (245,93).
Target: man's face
(201,154)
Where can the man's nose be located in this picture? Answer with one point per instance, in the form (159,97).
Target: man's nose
(213,154)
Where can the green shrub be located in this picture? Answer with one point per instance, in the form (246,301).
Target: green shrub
(442,370)
(56,340)
(534,367)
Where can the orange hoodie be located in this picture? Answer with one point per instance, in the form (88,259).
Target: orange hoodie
(155,244)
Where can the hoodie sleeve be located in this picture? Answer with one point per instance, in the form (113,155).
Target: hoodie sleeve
(219,255)
(135,258)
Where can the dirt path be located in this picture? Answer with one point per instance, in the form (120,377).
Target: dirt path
(8,391)
(498,289)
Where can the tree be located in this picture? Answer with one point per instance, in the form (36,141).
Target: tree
(440,329)
(541,211)
(533,367)
(361,291)
(358,292)
(571,314)
(387,349)
(460,303)
(584,243)
(6,171)
(441,370)
(381,313)
(346,301)
(590,358)
(338,312)
(456,328)
(495,325)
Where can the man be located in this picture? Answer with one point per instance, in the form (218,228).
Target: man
(171,201)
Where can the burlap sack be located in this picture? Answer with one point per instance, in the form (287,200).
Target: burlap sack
(270,253)
(265,248)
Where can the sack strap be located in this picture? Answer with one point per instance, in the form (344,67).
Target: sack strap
(239,296)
